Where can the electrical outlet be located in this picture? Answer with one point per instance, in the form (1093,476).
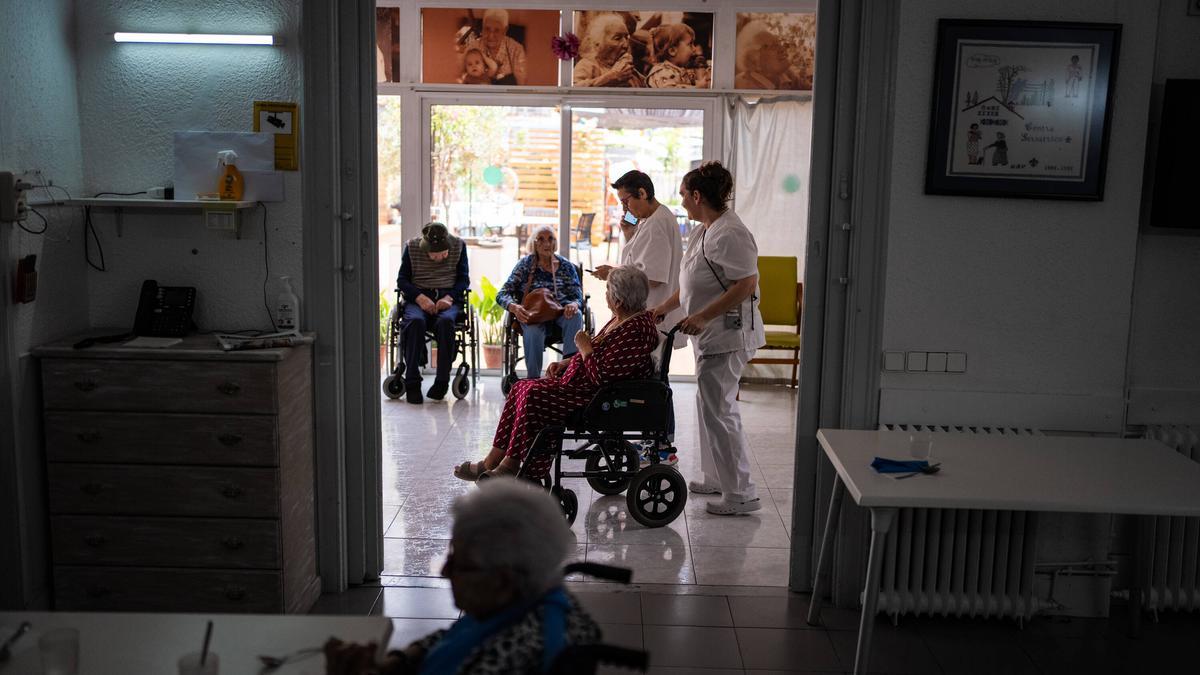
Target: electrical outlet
(956,362)
(13,206)
(893,362)
(917,361)
(936,362)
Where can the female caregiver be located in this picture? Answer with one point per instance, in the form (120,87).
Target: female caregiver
(718,292)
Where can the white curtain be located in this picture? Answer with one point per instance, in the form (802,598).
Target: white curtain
(770,148)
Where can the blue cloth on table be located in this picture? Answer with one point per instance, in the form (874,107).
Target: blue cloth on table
(885,465)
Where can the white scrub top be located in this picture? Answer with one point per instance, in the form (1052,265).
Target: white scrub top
(733,255)
(657,250)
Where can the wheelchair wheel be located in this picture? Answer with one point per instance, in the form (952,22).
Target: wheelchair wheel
(568,501)
(626,459)
(462,382)
(507,383)
(656,495)
(393,386)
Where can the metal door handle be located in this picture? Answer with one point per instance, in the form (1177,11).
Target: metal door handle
(229,439)
(85,385)
(229,388)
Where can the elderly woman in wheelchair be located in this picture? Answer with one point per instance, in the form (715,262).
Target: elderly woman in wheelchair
(622,350)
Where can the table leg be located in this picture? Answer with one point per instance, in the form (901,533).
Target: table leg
(825,557)
(881,523)
(1144,536)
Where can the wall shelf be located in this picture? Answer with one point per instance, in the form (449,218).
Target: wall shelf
(121,203)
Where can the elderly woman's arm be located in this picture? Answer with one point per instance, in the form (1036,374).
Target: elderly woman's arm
(511,293)
(621,356)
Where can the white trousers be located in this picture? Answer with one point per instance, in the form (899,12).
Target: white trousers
(723,445)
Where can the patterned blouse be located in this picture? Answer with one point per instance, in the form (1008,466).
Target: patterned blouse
(569,287)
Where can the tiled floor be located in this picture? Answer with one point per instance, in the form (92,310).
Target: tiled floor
(423,443)
(709,597)
(752,630)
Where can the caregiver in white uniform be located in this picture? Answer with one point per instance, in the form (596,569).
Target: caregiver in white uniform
(718,292)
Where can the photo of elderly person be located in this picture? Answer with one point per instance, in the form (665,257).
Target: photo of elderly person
(775,51)
(488,46)
(622,350)
(718,291)
(508,546)
(606,59)
(543,268)
(675,50)
(434,278)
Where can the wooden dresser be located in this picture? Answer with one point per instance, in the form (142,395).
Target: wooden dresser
(180,479)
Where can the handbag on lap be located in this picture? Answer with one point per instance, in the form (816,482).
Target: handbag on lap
(541,303)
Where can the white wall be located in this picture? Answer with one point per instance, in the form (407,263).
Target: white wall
(1036,292)
(1164,372)
(132,98)
(39,129)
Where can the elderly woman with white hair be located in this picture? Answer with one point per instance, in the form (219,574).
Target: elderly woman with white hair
(505,565)
(607,59)
(506,54)
(762,60)
(544,269)
(620,351)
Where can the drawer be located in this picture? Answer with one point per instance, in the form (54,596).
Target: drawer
(159,386)
(163,490)
(166,542)
(134,589)
(144,438)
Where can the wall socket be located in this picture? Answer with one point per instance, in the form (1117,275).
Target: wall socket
(13,206)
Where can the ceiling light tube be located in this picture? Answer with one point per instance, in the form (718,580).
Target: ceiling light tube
(196,38)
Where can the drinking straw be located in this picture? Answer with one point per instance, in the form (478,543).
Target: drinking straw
(207,639)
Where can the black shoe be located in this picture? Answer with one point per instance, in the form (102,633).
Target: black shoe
(413,393)
(438,391)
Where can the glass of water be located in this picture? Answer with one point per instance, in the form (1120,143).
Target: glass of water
(920,444)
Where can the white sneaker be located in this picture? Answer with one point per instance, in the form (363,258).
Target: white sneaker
(725,507)
(702,488)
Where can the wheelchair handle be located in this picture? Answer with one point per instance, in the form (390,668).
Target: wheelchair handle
(668,347)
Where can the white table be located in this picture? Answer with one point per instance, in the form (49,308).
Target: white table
(1021,473)
(153,643)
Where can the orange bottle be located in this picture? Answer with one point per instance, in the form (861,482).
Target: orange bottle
(231,185)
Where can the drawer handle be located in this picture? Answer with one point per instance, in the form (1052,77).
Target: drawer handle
(232,491)
(97,592)
(235,593)
(233,543)
(91,488)
(229,440)
(89,436)
(95,540)
(229,388)
(85,385)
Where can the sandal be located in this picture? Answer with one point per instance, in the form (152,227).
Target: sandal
(505,468)
(469,471)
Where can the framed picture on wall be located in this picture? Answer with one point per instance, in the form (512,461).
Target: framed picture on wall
(488,46)
(655,50)
(1021,109)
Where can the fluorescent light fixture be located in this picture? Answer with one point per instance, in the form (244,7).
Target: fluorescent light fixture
(196,38)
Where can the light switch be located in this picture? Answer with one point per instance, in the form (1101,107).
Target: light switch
(893,362)
(936,362)
(917,361)
(956,362)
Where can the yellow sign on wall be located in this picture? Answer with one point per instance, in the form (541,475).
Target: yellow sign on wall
(283,120)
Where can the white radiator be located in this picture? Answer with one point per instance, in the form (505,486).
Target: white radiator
(1174,563)
(960,562)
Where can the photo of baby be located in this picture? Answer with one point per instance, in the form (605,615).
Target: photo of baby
(488,46)
(775,51)
(661,50)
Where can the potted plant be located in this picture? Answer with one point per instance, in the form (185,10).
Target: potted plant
(385,320)
(491,322)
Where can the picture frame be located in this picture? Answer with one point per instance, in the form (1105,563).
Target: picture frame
(1021,109)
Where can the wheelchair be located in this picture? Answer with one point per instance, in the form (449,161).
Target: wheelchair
(465,339)
(614,425)
(513,339)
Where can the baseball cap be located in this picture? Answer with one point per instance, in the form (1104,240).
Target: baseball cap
(435,238)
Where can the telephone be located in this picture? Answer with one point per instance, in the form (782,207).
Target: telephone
(164,311)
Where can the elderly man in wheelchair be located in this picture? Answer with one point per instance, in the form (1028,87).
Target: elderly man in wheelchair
(433,281)
(603,394)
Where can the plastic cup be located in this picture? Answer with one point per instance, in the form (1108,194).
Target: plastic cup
(920,444)
(60,651)
(189,664)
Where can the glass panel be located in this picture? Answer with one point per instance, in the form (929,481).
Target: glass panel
(387,44)
(607,142)
(495,172)
(391,241)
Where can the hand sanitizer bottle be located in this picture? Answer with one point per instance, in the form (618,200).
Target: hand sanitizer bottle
(231,186)
(287,309)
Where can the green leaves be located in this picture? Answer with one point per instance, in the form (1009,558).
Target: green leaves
(490,314)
